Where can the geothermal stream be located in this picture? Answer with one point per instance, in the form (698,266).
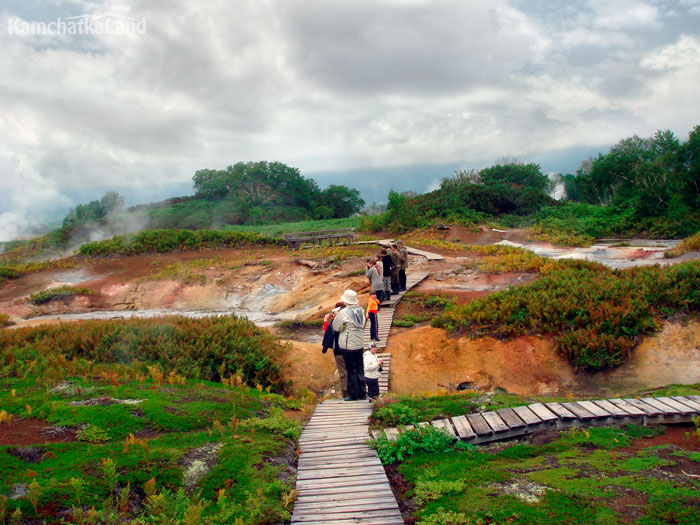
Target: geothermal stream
(613,253)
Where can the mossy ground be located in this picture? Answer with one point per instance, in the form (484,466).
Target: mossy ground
(248,480)
(605,475)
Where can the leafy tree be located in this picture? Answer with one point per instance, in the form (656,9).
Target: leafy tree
(343,201)
(110,203)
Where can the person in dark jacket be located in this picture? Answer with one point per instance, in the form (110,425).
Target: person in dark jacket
(388,268)
(403,264)
(350,323)
(396,262)
(330,340)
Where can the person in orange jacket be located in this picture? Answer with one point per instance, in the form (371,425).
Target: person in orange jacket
(372,310)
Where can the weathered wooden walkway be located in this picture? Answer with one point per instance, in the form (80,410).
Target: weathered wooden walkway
(386,310)
(411,251)
(519,421)
(340,479)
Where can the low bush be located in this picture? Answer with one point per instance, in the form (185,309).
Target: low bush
(410,442)
(599,314)
(689,244)
(166,241)
(60,292)
(209,348)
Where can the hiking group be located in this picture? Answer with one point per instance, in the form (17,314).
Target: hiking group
(343,327)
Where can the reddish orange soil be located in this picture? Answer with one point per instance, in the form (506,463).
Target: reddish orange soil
(425,360)
(30,431)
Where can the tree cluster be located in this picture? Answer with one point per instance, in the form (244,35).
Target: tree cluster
(110,203)
(658,176)
(268,191)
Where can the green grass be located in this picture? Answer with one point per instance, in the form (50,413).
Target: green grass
(280,229)
(407,410)
(577,478)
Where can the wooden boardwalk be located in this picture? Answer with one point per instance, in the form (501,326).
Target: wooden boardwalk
(411,251)
(512,422)
(340,479)
(385,317)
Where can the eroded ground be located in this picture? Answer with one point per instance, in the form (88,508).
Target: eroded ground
(270,285)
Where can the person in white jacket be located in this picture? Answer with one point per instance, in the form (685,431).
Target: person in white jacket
(349,325)
(372,366)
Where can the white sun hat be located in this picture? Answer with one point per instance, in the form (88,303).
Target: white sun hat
(349,297)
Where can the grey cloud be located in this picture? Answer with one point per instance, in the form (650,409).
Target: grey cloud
(330,87)
(374,47)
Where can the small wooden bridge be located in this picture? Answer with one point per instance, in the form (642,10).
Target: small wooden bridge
(518,421)
(294,240)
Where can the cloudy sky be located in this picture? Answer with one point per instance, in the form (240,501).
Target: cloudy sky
(372,94)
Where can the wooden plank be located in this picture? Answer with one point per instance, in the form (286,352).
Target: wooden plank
(344,494)
(694,398)
(391,433)
(649,410)
(479,425)
(310,458)
(527,415)
(630,409)
(358,521)
(688,402)
(495,422)
(510,418)
(310,487)
(356,482)
(339,472)
(614,410)
(356,504)
(356,463)
(561,412)
(542,412)
(330,515)
(301,509)
(580,412)
(361,447)
(445,426)
(594,409)
(464,429)
(663,407)
(684,409)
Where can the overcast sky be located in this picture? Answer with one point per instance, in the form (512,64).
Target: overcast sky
(373,94)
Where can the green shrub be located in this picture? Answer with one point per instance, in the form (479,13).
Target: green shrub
(92,433)
(410,442)
(207,348)
(60,292)
(599,314)
(166,241)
